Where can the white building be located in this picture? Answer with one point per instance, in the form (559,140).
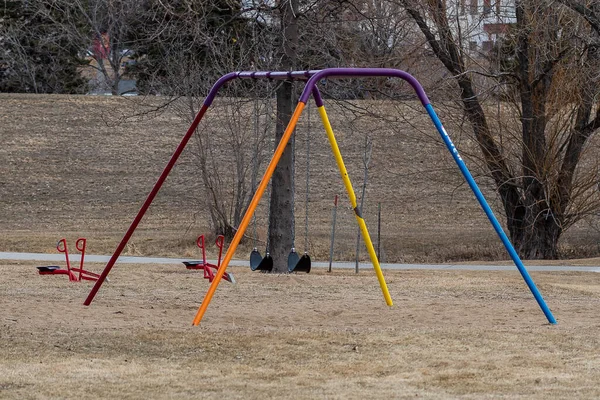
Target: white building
(482,22)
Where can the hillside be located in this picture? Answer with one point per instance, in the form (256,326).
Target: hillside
(81,166)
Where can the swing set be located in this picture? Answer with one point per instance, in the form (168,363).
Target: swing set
(312,78)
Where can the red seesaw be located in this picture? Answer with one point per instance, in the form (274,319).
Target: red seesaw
(75,274)
(208,268)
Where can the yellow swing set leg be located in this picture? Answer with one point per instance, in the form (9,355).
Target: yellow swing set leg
(261,189)
(361,222)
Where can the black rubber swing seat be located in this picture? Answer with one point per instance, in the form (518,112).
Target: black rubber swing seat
(260,263)
(297,263)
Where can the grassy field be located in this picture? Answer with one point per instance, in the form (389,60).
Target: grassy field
(73,167)
(81,166)
(449,335)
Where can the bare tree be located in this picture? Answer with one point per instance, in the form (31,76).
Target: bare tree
(35,55)
(103,30)
(314,35)
(193,44)
(548,75)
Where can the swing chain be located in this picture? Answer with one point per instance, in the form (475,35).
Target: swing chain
(307,182)
(255,165)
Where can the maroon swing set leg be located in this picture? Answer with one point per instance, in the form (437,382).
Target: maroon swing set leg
(145,206)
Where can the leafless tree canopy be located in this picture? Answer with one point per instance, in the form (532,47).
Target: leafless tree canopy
(548,78)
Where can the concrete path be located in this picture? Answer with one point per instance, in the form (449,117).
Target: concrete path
(60,259)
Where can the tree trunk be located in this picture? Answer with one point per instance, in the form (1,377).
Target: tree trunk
(281,222)
(538,239)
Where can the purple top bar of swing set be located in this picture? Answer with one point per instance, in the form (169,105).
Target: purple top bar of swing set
(314,76)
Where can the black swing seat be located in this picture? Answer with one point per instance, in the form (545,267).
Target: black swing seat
(293,259)
(258,263)
(297,263)
(48,268)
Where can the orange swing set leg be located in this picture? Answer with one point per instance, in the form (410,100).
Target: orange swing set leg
(251,208)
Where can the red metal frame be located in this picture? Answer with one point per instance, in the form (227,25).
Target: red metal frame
(62,247)
(208,268)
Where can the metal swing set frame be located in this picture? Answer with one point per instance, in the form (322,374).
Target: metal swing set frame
(312,78)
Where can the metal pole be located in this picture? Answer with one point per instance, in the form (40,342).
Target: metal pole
(379,231)
(352,196)
(145,206)
(488,211)
(332,232)
(248,215)
(366,159)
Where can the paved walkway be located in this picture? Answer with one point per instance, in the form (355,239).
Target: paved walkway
(59,258)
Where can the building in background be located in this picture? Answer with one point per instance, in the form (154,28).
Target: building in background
(481,23)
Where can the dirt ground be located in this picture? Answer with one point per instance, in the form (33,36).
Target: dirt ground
(449,335)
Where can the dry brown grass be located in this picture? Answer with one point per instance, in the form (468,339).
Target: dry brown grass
(449,335)
(71,166)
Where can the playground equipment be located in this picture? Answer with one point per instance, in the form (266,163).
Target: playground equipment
(208,268)
(312,78)
(257,261)
(260,263)
(296,263)
(74,274)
